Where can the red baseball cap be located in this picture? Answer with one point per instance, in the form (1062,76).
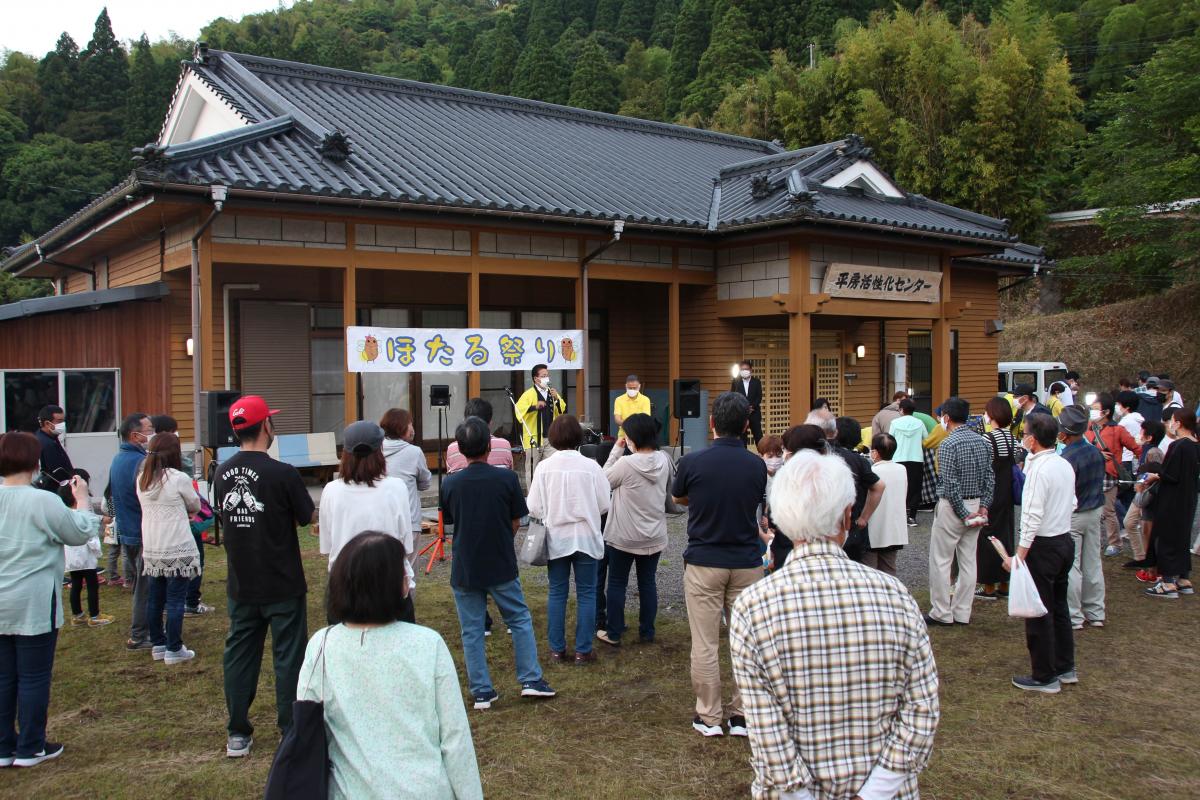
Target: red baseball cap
(249,410)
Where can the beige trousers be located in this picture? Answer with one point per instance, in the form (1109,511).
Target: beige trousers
(950,538)
(533,457)
(1108,518)
(1133,528)
(1085,585)
(709,593)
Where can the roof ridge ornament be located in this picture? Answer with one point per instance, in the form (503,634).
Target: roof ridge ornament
(855,147)
(335,146)
(150,155)
(200,56)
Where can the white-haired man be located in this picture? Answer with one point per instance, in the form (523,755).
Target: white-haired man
(832,657)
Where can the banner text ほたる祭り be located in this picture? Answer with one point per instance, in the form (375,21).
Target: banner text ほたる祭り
(372,349)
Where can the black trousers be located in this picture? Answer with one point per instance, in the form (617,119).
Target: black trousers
(915,470)
(756,433)
(1050,639)
(78,578)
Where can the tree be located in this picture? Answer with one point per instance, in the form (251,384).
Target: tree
(635,20)
(607,14)
(571,42)
(689,43)
(643,80)
(545,21)
(58,77)
(495,58)
(666,15)
(540,74)
(103,69)
(19,91)
(143,102)
(731,58)
(594,81)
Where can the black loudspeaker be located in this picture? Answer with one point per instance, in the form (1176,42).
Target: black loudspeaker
(215,430)
(686,399)
(439,395)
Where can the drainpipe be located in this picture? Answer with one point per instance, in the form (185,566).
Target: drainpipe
(618,227)
(218,199)
(226,289)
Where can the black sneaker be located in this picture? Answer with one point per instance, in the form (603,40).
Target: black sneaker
(484,700)
(1052,686)
(50,751)
(980,594)
(737,726)
(931,621)
(134,645)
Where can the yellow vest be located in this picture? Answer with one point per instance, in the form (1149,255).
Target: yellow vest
(527,410)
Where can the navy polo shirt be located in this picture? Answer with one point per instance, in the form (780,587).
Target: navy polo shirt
(723,484)
(482,501)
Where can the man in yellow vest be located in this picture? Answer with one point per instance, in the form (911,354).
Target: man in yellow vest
(537,407)
(630,403)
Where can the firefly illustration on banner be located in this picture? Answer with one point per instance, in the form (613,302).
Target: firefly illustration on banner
(371,349)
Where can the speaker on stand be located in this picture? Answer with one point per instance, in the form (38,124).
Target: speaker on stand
(685,401)
(214,431)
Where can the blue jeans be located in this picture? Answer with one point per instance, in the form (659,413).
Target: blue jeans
(472,606)
(558,570)
(619,564)
(193,592)
(166,593)
(25,666)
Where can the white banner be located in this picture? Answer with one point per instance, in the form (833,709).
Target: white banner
(372,349)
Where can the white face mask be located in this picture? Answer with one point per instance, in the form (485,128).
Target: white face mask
(774,463)
(1094,414)
(986,420)
(745,374)
(1119,412)
(945,423)
(544,382)
(631,392)
(60,428)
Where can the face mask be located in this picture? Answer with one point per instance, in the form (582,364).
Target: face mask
(945,423)
(986,420)
(1094,414)
(745,374)
(774,463)
(60,428)
(631,392)
(1119,412)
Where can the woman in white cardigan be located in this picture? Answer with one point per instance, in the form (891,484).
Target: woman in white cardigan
(569,493)
(888,527)
(170,557)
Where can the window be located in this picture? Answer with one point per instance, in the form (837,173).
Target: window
(1051,376)
(90,398)
(450,415)
(1003,381)
(1026,376)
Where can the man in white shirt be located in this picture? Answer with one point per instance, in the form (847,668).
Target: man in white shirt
(1048,551)
(1070,395)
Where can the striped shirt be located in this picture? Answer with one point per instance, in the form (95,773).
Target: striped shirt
(965,470)
(837,677)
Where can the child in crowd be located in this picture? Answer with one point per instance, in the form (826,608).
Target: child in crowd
(81,563)
(771,450)
(888,526)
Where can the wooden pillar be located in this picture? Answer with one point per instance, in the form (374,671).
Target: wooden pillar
(350,317)
(474,378)
(208,297)
(941,340)
(581,373)
(799,333)
(673,337)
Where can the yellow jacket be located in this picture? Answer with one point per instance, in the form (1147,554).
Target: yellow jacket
(527,410)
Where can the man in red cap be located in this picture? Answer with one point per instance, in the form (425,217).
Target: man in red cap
(261,502)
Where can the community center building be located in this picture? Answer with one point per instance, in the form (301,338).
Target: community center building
(284,203)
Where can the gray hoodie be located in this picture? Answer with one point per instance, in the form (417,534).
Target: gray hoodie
(406,461)
(637,521)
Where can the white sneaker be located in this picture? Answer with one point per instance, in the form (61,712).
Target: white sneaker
(158,652)
(238,746)
(705,729)
(181,655)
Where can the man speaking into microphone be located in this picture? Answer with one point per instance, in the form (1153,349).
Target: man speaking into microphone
(539,405)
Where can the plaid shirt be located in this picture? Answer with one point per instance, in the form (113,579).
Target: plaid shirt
(837,676)
(965,470)
(1090,479)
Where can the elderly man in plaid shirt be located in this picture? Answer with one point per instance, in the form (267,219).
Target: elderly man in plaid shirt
(965,484)
(832,658)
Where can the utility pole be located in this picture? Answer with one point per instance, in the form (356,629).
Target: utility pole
(812,55)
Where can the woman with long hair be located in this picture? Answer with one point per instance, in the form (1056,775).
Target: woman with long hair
(992,576)
(170,558)
(363,497)
(569,493)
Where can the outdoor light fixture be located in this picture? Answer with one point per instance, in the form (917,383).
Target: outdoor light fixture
(188,346)
(860,350)
(734,370)
(1089,398)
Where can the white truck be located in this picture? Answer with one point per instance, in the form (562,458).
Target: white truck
(1040,374)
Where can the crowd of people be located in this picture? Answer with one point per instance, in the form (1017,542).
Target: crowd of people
(791,557)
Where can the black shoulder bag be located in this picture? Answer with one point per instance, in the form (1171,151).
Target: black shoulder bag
(300,770)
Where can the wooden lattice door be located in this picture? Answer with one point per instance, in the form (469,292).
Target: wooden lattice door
(827,378)
(767,350)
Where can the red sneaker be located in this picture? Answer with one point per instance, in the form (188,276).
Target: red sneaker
(1146,576)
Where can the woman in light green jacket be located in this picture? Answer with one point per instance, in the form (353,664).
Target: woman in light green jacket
(34,526)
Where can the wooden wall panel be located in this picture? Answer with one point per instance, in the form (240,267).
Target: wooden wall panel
(862,395)
(637,334)
(130,336)
(179,328)
(709,344)
(139,262)
(978,353)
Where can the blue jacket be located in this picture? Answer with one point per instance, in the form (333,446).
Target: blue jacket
(122,477)
(55,460)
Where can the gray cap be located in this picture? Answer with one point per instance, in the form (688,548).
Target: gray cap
(1152,382)
(1073,420)
(1025,389)
(363,438)
(1166,384)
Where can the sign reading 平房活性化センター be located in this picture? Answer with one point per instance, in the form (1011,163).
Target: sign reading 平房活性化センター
(371,349)
(882,283)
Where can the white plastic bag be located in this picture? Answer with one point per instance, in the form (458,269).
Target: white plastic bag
(1023,598)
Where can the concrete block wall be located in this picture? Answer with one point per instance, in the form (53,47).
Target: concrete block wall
(632,255)
(279,231)
(520,245)
(751,271)
(412,239)
(822,255)
(697,258)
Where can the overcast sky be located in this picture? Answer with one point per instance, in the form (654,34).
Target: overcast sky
(33,26)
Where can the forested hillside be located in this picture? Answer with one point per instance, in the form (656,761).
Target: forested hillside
(1010,107)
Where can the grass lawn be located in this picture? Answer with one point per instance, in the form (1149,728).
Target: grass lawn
(620,728)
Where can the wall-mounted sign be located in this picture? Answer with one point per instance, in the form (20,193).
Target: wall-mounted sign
(371,349)
(882,283)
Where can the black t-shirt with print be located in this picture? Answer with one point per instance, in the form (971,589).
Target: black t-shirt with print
(261,501)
